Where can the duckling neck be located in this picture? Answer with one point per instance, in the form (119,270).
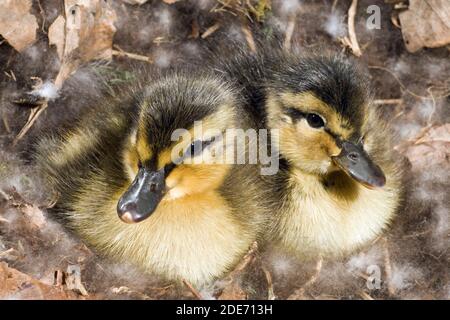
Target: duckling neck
(332,215)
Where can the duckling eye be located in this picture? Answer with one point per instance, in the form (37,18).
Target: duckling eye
(139,164)
(314,120)
(196,148)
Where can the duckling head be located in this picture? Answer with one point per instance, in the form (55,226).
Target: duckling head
(319,106)
(170,153)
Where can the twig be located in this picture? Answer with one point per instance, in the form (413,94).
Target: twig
(6,122)
(211,30)
(10,75)
(158,41)
(249,257)
(333,6)
(195,30)
(417,234)
(129,292)
(351,29)
(388,267)
(387,101)
(6,252)
(289,31)
(434,106)
(405,88)
(270,293)
(42,13)
(193,290)
(395,21)
(5,196)
(301,291)
(361,275)
(34,115)
(232,288)
(316,274)
(249,37)
(365,295)
(122,53)
(13,75)
(4,220)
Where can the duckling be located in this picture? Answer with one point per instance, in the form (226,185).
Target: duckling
(135,182)
(339,183)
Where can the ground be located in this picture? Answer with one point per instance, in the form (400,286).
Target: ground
(40,259)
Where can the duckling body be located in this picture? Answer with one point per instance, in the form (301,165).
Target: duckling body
(332,216)
(206,216)
(323,203)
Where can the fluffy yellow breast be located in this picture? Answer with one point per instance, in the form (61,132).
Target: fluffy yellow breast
(193,237)
(332,218)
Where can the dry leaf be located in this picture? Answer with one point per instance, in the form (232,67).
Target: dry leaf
(432,148)
(56,35)
(73,279)
(435,134)
(85,34)
(233,291)
(170,1)
(17,285)
(426,24)
(17,25)
(34,215)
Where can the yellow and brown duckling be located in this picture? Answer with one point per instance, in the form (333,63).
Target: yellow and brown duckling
(135,158)
(339,184)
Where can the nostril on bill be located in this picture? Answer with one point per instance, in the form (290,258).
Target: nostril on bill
(353,156)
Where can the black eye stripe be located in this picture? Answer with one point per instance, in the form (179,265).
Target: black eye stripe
(195,148)
(198,146)
(314,120)
(295,114)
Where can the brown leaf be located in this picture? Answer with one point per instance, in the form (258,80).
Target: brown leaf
(84,35)
(56,35)
(17,285)
(435,134)
(431,148)
(73,279)
(90,29)
(17,25)
(426,24)
(34,215)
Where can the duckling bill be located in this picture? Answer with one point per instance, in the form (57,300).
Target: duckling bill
(144,195)
(354,161)
(126,192)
